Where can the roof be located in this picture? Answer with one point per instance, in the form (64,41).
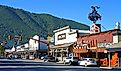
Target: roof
(63,45)
(100,32)
(80,31)
(67,27)
(114,47)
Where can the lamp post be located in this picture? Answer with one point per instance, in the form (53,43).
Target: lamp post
(109,58)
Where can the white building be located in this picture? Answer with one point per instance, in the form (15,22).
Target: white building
(34,43)
(37,46)
(67,35)
(64,39)
(33,48)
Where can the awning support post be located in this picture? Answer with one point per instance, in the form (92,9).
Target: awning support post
(109,59)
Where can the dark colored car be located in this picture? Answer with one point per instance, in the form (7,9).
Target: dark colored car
(43,57)
(51,59)
(75,61)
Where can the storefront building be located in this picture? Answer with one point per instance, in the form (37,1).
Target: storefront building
(64,39)
(114,52)
(37,46)
(94,45)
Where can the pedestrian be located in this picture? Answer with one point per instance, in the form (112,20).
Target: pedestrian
(98,62)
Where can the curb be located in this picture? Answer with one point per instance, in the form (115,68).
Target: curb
(105,67)
(110,67)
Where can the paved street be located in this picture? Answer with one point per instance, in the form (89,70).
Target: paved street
(33,65)
(56,69)
(20,62)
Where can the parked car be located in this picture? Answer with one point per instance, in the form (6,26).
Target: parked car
(2,57)
(50,59)
(87,62)
(43,57)
(71,60)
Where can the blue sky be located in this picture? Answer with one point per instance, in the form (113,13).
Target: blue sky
(76,10)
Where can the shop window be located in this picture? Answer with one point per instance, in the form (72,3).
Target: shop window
(96,30)
(58,54)
(62,36)
(93,43)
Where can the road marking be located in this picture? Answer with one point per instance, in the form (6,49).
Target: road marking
(61,67)
(47,67)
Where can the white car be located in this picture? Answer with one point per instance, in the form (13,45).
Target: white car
(70,60)
(87,62)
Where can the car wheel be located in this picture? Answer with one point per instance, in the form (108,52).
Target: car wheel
(85,65)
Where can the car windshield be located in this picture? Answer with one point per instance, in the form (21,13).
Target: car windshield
(68,57)
(91,59)
(84,59)
(75,57)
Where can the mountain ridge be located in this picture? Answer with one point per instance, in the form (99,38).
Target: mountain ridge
(17,22)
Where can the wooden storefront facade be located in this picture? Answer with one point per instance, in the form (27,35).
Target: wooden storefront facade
(94,46)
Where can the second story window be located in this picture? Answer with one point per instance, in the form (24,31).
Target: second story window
(62,36)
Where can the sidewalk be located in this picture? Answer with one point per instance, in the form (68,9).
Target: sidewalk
(60,62)
(37,60)
(110,67)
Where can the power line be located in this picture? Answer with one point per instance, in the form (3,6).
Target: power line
(103,27)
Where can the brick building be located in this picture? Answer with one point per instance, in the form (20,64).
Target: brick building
(94,45)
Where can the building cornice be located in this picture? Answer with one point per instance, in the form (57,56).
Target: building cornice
(61,29)
(113,30)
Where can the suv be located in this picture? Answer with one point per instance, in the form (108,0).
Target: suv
(71,60)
